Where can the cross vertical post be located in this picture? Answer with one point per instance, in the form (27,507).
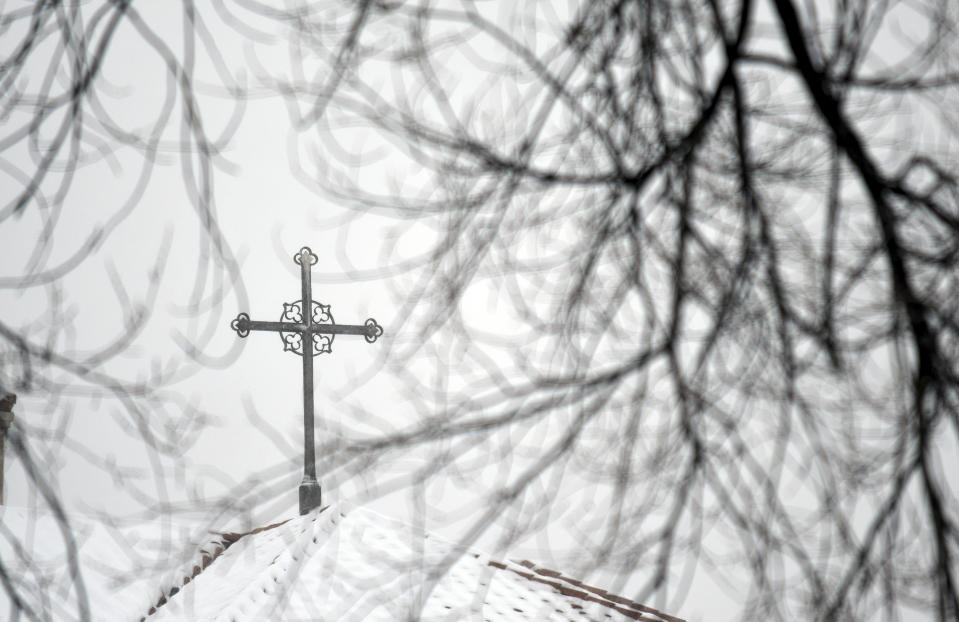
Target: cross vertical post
(307,328)
(310,492)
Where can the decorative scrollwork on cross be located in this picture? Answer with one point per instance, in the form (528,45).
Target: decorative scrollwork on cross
(321,314)
(305,254)
(293,341)
(241,325)
(373,330)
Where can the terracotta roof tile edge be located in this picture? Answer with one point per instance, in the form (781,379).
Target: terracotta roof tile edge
(629,608)
(219,545)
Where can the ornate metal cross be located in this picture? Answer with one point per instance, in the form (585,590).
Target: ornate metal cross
(307,334)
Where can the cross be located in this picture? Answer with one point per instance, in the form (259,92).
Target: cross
(313,331)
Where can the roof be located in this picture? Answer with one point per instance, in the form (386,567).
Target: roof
(358,565)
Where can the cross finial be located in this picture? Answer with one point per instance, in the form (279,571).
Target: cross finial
(306,328)
(305,255)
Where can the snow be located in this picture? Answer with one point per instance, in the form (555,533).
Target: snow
(358,565)
(331,564)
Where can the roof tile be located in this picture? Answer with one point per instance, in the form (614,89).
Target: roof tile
(331,565)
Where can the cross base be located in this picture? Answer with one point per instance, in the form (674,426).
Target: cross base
(310,495)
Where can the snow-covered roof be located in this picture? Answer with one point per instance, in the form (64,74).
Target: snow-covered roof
(358,565)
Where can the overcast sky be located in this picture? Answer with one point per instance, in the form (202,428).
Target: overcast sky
(267,205)
(266,208)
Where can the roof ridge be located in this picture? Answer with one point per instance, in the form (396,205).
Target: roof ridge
(290,557)
(635,610)
(289,548)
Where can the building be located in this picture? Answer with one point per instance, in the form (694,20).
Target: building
(329,564)
(359,565)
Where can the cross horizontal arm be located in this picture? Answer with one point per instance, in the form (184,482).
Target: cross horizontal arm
(286,327)
(339,329)
(320,329)
(370,330)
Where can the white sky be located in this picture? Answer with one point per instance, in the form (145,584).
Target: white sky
(266,214)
